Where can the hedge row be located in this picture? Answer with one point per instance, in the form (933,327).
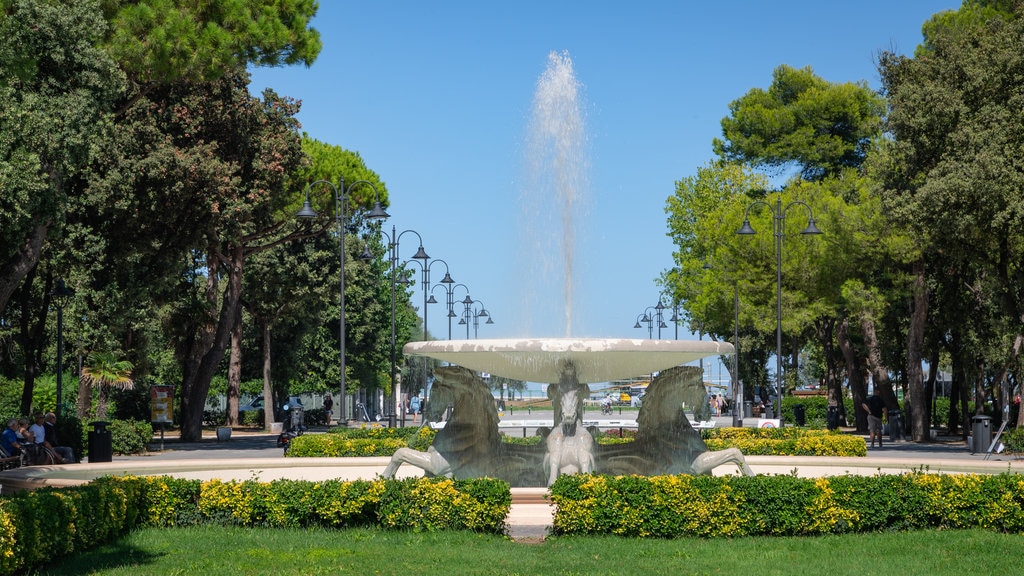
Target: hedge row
(785,442)
(751,441)
(38,527)
(711,506)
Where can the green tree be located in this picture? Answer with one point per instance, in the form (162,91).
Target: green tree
(952,172)
(167,40)
(823,132)
(103,372)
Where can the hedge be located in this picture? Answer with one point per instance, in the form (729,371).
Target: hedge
(785,442)
(716,506)
(789,441)
(38,527)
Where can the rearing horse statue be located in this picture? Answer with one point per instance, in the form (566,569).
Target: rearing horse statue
(570,447)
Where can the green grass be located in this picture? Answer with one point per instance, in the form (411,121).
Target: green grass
(278,552)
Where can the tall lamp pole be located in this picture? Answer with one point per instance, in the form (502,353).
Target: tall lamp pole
(393,248)
(449,292)
(474,314)
(648,319)
(779,226)
(307,213)
(428,298)
(61,295)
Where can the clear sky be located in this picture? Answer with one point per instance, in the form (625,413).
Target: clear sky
(436,96)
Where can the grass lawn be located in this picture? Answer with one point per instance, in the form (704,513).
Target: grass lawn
(277,552)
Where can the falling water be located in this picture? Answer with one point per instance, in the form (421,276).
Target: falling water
(555,185)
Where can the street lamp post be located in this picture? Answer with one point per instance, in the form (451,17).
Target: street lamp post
(779,226)
(449,291)
(473,315)
(393,250)
(649,320)
(737,391)
(61,295)
(428,298)
(307,213)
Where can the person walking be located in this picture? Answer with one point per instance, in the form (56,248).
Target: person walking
(877,411)
(329,407)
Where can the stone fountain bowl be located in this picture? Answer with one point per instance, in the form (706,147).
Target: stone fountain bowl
(545,359)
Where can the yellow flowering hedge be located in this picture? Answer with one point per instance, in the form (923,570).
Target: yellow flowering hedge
(37,527)
(785,442)
(710,506)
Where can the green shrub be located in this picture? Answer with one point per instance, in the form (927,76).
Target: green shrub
(253,418)
(788,441)
(731,506)
(130,436)
(1013,440)
(41,526)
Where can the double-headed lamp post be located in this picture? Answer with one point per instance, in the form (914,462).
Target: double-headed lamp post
(61,295)
(472,316)
(449,293)
(647,318)
(308,213)
(779,227)
(421,254)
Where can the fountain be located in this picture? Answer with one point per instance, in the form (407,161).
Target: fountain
(469,444)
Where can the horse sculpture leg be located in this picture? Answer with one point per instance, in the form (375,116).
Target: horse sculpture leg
(708,461)
(553,458)
(430,462)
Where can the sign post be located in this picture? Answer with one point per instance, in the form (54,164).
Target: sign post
(162,407)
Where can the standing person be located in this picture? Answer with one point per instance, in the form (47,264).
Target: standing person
(50,435)
(329,407)
(875,407)
(415,405)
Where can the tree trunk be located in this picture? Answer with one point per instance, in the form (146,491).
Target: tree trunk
(879,372)
(825,329)
(929,386)
(268,390)
(854,375)
(203,357)
(14,270)
(915,339)
(234,371)
(31,334)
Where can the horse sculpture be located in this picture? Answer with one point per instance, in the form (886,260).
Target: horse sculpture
(469,445)
(469,439)
(665,442)
(570,447)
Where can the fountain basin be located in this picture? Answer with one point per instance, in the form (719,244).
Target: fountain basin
(544,359)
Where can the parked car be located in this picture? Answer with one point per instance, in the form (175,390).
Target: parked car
(254,404)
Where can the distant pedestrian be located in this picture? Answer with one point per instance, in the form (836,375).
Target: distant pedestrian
(414,405)
(328,407)
(876,409)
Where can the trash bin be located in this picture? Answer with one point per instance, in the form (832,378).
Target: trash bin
(832,417)
(101,446)
(982,427)
(799,414)
(896,426)
(748,409)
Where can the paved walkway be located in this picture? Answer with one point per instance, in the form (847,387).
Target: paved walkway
(256,456)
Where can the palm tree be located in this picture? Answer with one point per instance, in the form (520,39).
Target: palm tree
(103,371)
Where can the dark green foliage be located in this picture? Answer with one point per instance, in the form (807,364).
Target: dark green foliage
(130,436)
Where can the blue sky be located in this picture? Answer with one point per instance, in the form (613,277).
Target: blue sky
(436,96)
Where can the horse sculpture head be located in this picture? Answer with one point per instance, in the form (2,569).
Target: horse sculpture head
(567,396)
(462,389)
(666,394)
